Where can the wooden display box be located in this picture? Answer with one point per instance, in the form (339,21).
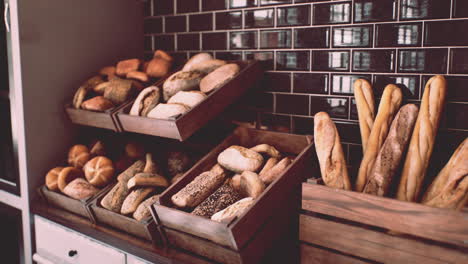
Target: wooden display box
(236,238)
(104,119)
(357,225)
(146,229)
(185,125)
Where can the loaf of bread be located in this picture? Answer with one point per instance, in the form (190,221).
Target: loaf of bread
(251,184)
(272,174)
(223,197)
(388,160)
(126,66)
(67,175)
(99,171)
(138,76)
(450,187)
(271,162)
(166,111)
(181,81)
(78,155)
(98,103)
(235,182)
(135,168)
(114,199)
(147,180)
(422,139)
(267,149)
(199,189)
(146,100)
(218,77)
(235,210)
(365,105)
(52,178)
(205,66)
(143,210)
(79,189)
(330,153)
(134,199)
(199,58)
(119,91)
(189,98)
(389,105)
(239,159)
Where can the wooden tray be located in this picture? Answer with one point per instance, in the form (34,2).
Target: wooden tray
(146,229)
(185,125)
(357,224)
(104,119)
(236,234)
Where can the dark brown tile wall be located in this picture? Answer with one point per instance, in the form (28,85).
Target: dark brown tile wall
(313,50)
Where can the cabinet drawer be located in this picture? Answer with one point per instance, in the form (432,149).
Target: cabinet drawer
(66,246)
(135,260)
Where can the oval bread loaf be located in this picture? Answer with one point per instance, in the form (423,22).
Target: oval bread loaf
(181,81)
(143,210)
(239,159)
(233,211)
(134,199)
(165,111)
(79,189)
(218,77)
(189,98)
(206,66)
(196,59)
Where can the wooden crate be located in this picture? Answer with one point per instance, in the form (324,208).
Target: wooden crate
(272,204)
(104,119)
(357,225)
(185,125)
(146,229)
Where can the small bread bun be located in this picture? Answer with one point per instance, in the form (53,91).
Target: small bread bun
(139,76)
(251,184)
(181,81)
(239,159)
(99,171)
(126,66)
(267,149)
(218,77)
(165,111)
(158,67)
(190,98)
(51,179)
(200,57)
(107,71)
(206,66)
(98,103)
(80,189)
(67,175)
(78,156)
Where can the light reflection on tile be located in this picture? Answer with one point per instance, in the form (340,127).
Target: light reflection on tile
(330,60)
(427,61)
(292,60)
(241,3)
(390,35)
(352,36)
(415,9)
(259,18)
(332,13)
(373,10)
(344,83)
(243,40)
(275,39)
(373,60)
(293,16)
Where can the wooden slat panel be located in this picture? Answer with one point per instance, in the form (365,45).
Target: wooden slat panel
(315,255)
(438,224)
(374,245)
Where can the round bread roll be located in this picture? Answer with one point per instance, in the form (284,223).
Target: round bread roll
(79,189)
(219,77)
(206,66)
(78,156)
(67,175)
(52,178)
(239,159)
(99,171)
(190,98)
(181,81)
(165,111)
(200,57)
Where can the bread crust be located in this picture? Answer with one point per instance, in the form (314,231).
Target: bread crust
(239,159)
(79,189)
(365,105)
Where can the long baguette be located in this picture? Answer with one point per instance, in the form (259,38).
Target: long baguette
(365,104)
(422,140)
(330,153)
(389,105)
(391,153)
(450,187)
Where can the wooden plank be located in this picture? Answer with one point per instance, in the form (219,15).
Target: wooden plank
(91,118)
(411,218)
(374,245)
(62,201)
(315,255)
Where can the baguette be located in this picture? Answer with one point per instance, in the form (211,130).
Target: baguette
(422,140)
(134,199)
(114,199)
(136,167)
(364,97)
(271,175)
(389,105)
(234,210)
(251,184)
(143,211)
(220,199)
(391,153)
(147,179)
(271,162)
(330,153)
(450,187)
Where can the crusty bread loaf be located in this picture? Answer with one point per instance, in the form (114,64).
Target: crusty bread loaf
(126,66)
(267,149)
(165,111)
(134,199)
(450,187)
(189,98)
(217,201)
(119,90)
(143,211)
(272,174)
(365,105)
(146,180)
(181,81)
(205,66)
(235,210)
(330,153)
(388,160)
(389,105)
(422,139)
(114,199)
(98,103)
(79,189)
(251,184)
(196,59)
(139,76)
(218,77)
(199,189)
(271,162)
(239,159)
(148,99)
(135,168)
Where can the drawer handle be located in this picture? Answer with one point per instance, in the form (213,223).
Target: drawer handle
(72,253)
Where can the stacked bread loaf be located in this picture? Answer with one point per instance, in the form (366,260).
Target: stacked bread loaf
(184,89)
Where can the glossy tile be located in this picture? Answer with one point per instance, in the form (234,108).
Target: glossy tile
(459,61)
(229,55)
(343,84)
(277,82)
(354,114)
(446,33)
(259,18)
(418,9)
(152,25)
(265,57)
(185,6)
(349,132)
(373,60)
(175,24)
(344,37)
(163,7)
(292,60)
(458,117)
(242,3)
(188,41)
(293,16)
(275,39)
(229,20)
(303,125)
(330,60)
(292,104)
(200,22)
(312,37)
(279,123)
(409,85)
(258,100)
(214,41)
(243,40)
(457,91)
(180,58)
(354,155)
(332,13)
(398,35)
(335,107)
(374,10)
(425,61)
(274,2)
(164,42)
(460,8)
(208,5)
(314,83)
(147,45)
(147,9)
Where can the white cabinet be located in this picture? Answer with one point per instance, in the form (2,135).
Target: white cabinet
(135,260)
